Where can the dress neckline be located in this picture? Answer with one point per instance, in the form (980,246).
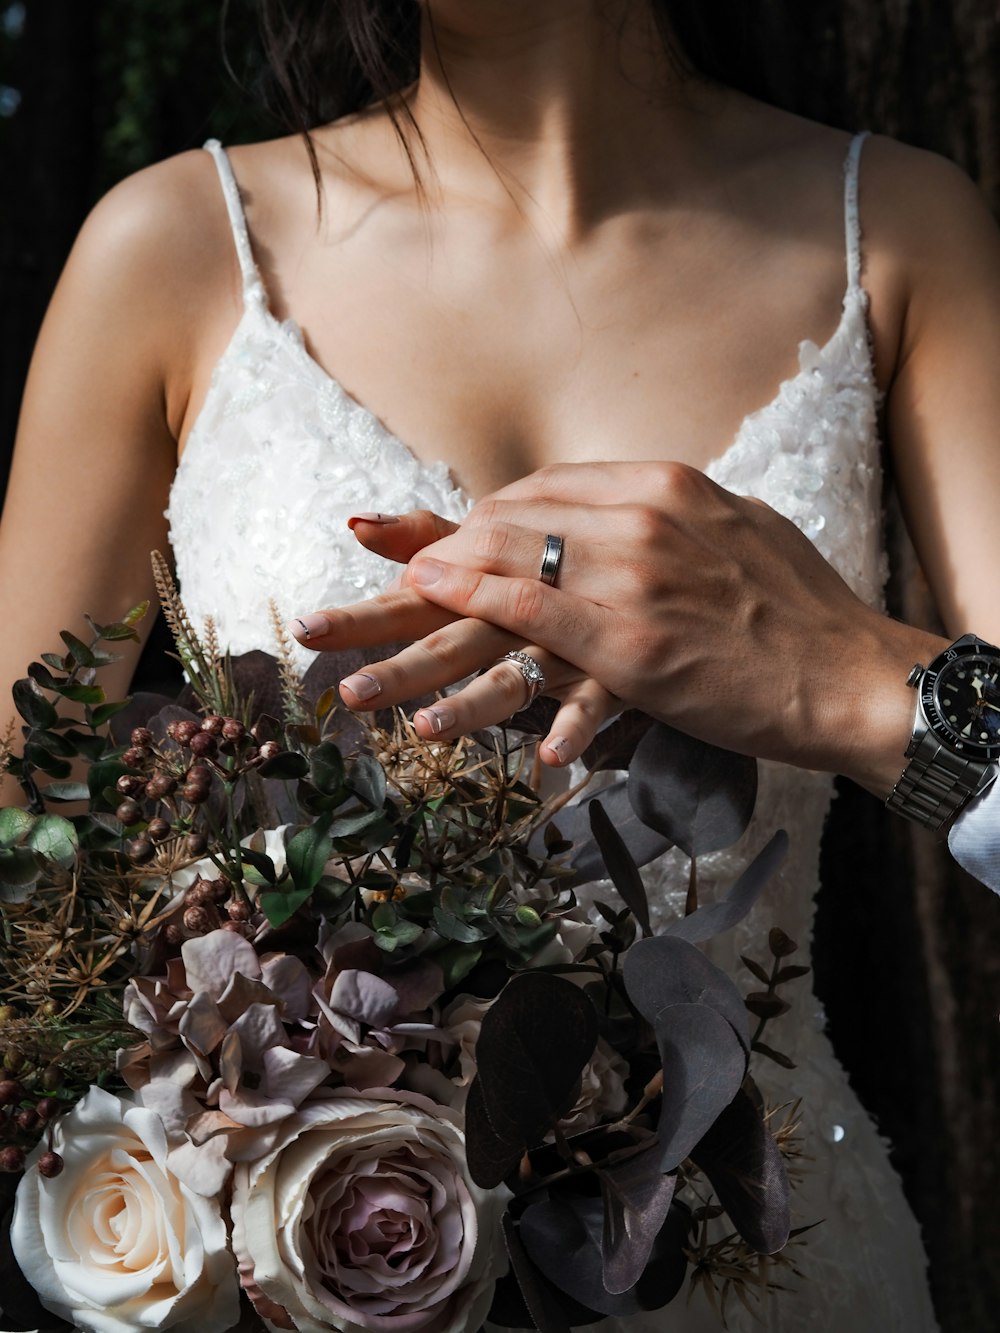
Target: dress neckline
(257,308)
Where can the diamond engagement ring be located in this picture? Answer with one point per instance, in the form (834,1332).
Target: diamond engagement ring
(551,559)
(534,676)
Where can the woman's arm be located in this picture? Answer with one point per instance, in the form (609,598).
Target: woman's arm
(95,450)
(714,612)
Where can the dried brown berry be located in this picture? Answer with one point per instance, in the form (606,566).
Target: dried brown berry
(129,812)
(134,757)
(48,1009)
(141,736)
(12,1060)
(204,745)
(197,920)
(51,1078)
(49,1164)
(7,1013)
(47,1109)
(213,724)
(27,1120)
(11,1159)
(160,785)
(182,731)
(129,784)
(196,844)
(194,793)
(237,927)
(139,850)
(270,749)
(232,730)
(222,888)
(238,910)
(173,934)
(11,1092)
(200,894)
(158,829)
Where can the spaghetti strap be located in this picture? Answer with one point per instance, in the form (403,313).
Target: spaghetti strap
(253,288)
(852,219)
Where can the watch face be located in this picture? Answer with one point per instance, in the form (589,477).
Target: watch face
(961,699)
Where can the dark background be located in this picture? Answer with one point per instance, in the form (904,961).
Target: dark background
(908,950)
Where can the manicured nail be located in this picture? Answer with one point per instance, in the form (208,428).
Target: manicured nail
(361,685)
(313,626)
(560,747)
(426,572)
(371,518)
(440,717)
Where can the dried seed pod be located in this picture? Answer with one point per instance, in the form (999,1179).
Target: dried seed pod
(49,1009)
(173,934)
(158,829)
(26,1120)
(269,749)
(140,850)
(134,757)
(182,731)
(222,888)
(129,812)
(12,1060)
(49,1164)
(232,730)
(238,909)
(200,774)
(141,736)
(194,793)
(48,1108)
(130,784)
(160,785)
(238,928)
(7,1013)
(11,1159)
(11,1092)
(200,894)
(197,920)
(204,745)
(52,1078)
(196,844)
(213,724)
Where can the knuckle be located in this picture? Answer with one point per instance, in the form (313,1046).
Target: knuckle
(527,602)
(647,523)
(484,513)
(442,647)
(491,543)
(511,683)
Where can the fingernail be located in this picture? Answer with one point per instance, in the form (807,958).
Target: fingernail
(361,685)
(440,717)
(313,626)
(426,572)
(560,747)
(371,518)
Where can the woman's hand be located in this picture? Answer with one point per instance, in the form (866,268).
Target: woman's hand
(701,607)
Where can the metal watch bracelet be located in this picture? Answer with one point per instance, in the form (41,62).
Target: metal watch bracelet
(936,783)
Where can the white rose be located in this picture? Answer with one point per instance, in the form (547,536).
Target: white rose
(115,1242)
(364,1217)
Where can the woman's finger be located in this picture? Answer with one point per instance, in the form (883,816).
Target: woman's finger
(586,706)
(391,616)
(400,536)
(430,664)
(500,692)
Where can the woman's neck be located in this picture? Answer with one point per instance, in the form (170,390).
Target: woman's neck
(557,107)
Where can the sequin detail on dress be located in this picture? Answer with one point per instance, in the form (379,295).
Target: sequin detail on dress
(278,459)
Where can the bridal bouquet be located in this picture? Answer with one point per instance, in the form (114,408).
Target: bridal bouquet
(301,1012)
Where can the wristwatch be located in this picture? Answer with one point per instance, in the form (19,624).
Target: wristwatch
(956,734)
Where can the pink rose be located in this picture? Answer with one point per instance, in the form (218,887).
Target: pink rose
(364,1216)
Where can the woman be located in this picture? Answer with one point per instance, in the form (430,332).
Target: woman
(603,257)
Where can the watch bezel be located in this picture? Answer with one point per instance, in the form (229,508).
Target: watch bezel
(943,732)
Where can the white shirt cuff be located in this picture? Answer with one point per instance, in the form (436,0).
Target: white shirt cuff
(974,839)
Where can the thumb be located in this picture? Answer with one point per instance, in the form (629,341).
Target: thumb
(400,536)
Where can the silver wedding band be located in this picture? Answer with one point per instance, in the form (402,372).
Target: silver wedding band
(534,676)
(551,559)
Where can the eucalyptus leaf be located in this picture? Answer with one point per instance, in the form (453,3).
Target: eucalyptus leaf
(287,766)
(19,870)
(82,655)
(637,1197)
(712,918)
(280,907)
(533,1044)
(668,970)
(66,791)
(55,838)
(307,854)
(14,824)
(105,712)
(33,707)
(586,863)
(744,1164)
(326,768)
(563,1235)
(697,795)
(82,694)
(621,867)
(367,780)
(40,758)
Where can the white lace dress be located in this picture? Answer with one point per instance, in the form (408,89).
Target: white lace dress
(280,457)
